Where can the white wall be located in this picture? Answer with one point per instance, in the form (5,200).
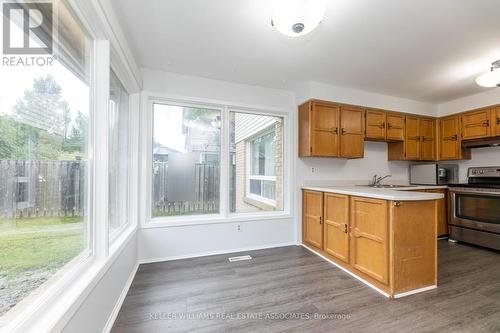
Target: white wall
(193,240)
(94,313)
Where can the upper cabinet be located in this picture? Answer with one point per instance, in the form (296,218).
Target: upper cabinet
(330,130)
(476,124)
(450,140)
(496,120)
(395,127)
(375,125)
(420,142)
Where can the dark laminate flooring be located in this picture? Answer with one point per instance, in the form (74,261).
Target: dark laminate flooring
(294,282)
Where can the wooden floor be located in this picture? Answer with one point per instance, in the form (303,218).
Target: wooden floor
(292,281)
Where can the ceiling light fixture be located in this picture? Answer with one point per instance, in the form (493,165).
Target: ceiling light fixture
(491,78)
(296,18)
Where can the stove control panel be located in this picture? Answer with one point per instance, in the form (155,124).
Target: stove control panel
(492,172)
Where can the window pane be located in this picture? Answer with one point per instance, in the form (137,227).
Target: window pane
(118,156)
(44,131)
(256,158)
(186,158)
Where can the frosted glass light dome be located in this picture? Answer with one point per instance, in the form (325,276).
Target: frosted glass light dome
(491,78)
(296,18)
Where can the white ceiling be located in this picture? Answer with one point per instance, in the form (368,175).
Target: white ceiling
(425,50)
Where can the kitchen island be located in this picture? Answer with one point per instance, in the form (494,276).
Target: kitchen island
(387,238)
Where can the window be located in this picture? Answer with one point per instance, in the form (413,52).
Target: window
(256,159)
(186,160)
(44,165)
(118,156)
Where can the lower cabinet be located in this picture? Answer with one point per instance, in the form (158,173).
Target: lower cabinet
(369,237)
(336,213)
(312,231)
(390,244)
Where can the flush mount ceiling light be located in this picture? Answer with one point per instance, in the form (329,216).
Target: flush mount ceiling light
(492,78)
(297,17)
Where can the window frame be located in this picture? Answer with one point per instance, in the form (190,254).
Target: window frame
(248,173)
(148,98)
(115,235)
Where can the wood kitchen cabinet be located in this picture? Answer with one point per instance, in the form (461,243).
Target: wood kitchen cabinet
(352,121)
(336,234)
(375,128)
(330,130)
(395,127)
(384,126)
(442,211)
(420,141)
(450,140)
(477,124)
(370,237)
(390,244)
(496,120)
(312,211)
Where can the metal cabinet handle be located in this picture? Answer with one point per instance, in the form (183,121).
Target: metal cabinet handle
(344,131)
(498,121)
(389,125)
(345,228)
(451,138)
(321,220)
(382,125)
(485,123)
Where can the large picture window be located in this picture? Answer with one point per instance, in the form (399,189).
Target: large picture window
(118,156)
(186,160)
(256,162)
(44,164)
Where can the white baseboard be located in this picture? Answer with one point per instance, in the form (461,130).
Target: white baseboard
(416,291)
(112,317)
(348,272)
(212,253)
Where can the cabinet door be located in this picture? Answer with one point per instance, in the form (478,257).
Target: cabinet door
(369,237)
(476,124)
(412,139)
(496,120)
(442,218)
(449,141)
(427,132)
(352,132)
(312,206)
(375,125)
(395,127)
(336,216)
(324,130)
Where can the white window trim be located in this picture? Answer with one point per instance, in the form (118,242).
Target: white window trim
(224,216)
(249,176)
(56,304)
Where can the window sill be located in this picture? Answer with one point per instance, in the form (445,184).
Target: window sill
(54,309)
(259,203)
(214,219)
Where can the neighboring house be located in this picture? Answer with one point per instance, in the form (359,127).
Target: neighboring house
(258,163)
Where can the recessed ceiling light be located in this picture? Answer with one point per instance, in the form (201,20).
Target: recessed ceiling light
(296,18)
(491,78)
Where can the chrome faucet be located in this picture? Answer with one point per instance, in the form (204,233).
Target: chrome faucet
(376,180)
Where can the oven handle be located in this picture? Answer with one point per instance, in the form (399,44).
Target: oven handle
(461,191)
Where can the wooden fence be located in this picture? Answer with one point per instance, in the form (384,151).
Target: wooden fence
(30,188)
(205,198)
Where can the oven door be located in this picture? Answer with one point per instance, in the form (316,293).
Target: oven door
(476,209)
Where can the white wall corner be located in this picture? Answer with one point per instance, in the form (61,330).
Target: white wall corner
(482,99)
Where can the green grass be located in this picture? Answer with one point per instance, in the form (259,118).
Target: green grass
(36,244)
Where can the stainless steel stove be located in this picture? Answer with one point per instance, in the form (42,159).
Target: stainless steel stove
(475,208)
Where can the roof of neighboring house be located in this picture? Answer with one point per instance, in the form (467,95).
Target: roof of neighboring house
(163,151)
(247,125)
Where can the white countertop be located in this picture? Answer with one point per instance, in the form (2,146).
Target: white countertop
(399,194)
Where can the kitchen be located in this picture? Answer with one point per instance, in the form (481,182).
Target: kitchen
(251,166)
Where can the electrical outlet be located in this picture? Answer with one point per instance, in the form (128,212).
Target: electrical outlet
(239,228)
(314,170)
